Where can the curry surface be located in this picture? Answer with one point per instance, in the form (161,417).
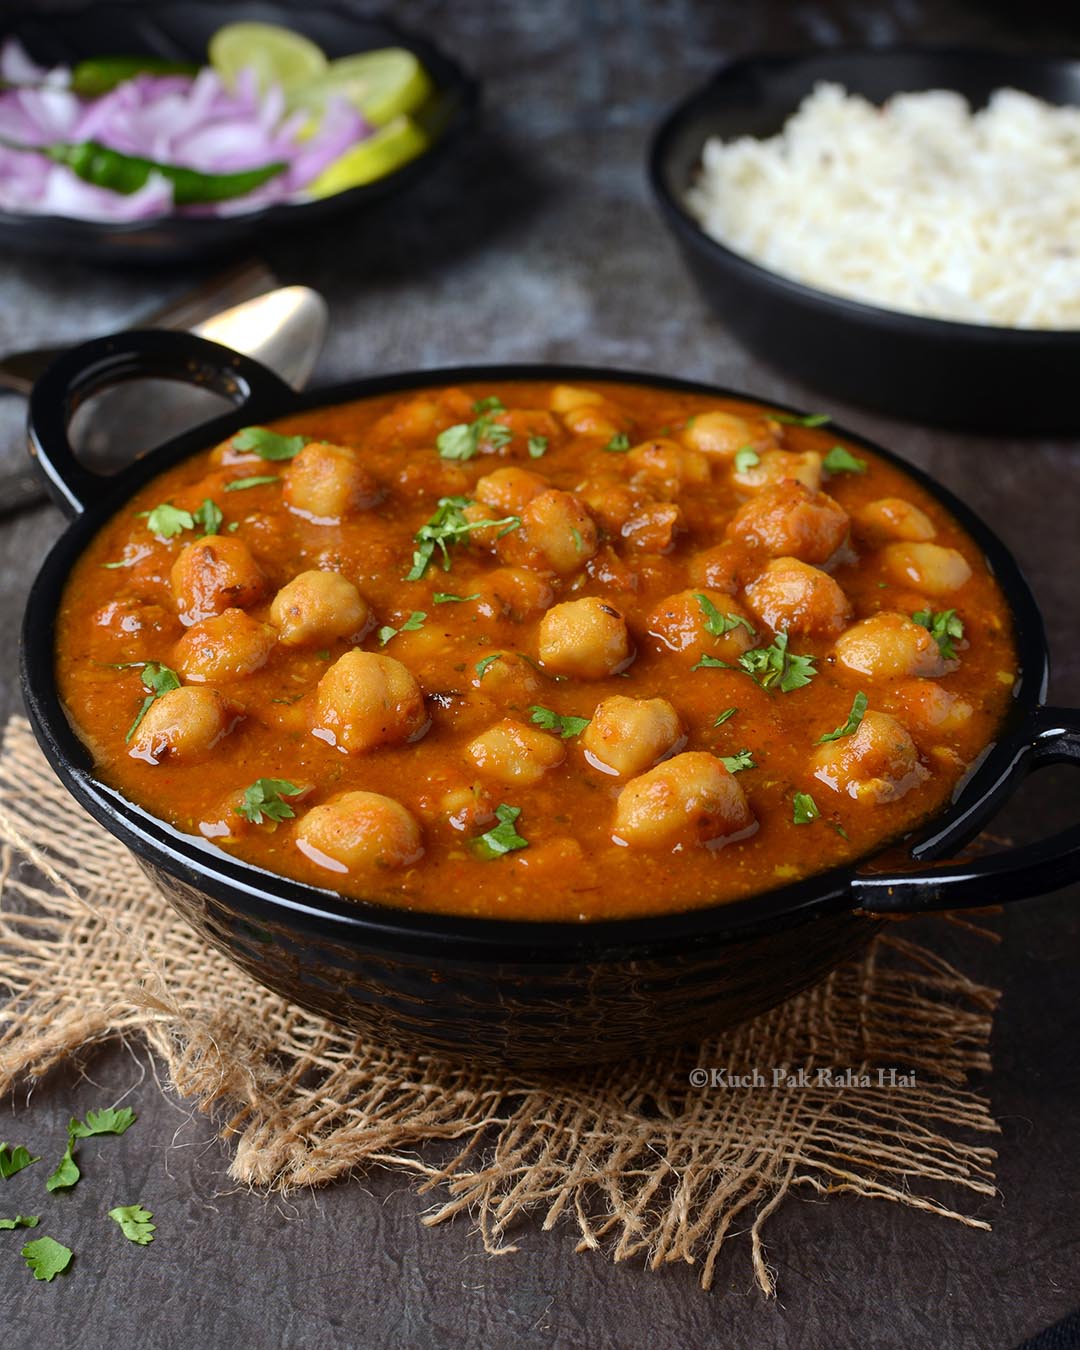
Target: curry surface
(572,868)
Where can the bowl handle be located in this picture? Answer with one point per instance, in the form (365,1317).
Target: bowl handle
(151,353)
(1015,874)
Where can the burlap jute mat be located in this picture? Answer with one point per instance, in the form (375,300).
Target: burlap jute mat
(634,1159)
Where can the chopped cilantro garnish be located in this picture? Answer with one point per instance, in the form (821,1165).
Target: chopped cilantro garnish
(66,1172)
(13,1158)
(482,666)
(839,460)
(775,665)
(805,809)
(157,680)
(619,444)
(854,717)
(723,717)
(46,1257)
(257,480)
(579,543)
(492,404)
(563,725)
(20,1221)
(718,624)
(801,419)
(167,521)
(414,622)
(268,444)
(502,838)
(711,663)
(464,440)
(744,759)
(110,1120)
(746,458)
(537,446)
(264,800)
(945,625)
(447,598)
(446,526)
(208,516)
(134,1223)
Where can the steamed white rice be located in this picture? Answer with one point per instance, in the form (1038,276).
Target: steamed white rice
(919,206)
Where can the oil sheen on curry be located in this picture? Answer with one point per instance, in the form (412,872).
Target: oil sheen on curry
(536,651)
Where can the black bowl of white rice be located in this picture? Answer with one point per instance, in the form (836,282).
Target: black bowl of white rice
(896,228)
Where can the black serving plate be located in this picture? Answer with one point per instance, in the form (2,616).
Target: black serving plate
(976,377)
(497,990)
(180,30)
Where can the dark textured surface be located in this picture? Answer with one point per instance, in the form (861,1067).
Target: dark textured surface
(539,241)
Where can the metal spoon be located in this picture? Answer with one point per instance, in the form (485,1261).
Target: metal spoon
(284,329)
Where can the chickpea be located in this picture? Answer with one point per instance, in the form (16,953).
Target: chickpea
(628,735)
(513,593)
(607,570)
(509,490)
(680,624)
(654,528)
(612,503)
(415,421)
(791,521)
(185,724)
(892,518)
(318,607)
(366,699)
(602,420)
(889,646)
(691,799)
(556,527)
(779,466)
(466,806)
(929,706)
(587,638)
(360,832)
(879,763)
(225,647)
(515,754)
(326,483)
(927,567)
(668,464)
(724,433)
(509,679)
(792,595)
(718,568)
(215,574)
(565,397)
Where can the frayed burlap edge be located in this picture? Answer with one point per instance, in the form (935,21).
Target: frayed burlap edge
(642,1162)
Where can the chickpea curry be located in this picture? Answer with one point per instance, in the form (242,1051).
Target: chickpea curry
(535,651)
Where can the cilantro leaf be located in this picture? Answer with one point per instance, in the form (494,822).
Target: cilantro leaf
(619,444)
(268,444)
(742,759)
(562,725)
(448,598)
(167,521)
(157,680)
(537,447)
(412,624)
(775,665)
(711,663)
(491,404)
(208,516)
(718,624)
(801,420)
(944,625)
(20,1221)
(839,460)
(13,1158)
(482,666)
(263,800)
(805,809)
(463,441)
(854,718)
(723,717)
(257,480)
(66,1173)
(445,527)
(109,1120)
(46,1257)
(502,838)
(746,458)
(134,1223)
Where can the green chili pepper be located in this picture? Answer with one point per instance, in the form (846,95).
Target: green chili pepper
(101,74)
(107,168)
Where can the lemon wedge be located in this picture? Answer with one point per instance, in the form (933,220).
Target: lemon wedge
(277,55)
(386,150)
(381,84)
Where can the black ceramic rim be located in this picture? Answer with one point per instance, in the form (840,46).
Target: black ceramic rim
(451,83)
(686,112)
(268,896)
